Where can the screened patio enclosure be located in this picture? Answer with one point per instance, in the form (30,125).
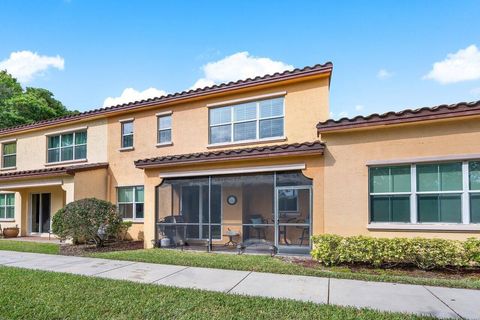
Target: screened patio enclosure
(258,212)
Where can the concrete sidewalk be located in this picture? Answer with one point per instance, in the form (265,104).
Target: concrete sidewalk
(436,301)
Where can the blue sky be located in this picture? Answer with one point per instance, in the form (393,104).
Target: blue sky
(86,51)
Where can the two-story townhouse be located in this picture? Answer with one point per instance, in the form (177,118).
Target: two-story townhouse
(255,162)
(48,164)
(238,161)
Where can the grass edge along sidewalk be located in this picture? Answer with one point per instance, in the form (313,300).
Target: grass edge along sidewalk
(31,294)
(258,263)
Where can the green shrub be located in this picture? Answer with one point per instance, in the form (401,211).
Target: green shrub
(90,219)
(385,252)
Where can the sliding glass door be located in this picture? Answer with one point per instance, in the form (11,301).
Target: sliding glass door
(40,213)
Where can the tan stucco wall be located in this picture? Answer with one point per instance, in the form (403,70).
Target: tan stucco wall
(32,146)
(91,184)
(346,172)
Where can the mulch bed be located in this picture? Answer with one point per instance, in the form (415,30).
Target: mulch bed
(410,271)
(85,249)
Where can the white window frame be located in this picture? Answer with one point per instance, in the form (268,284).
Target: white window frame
(465,195)
(134,207)
(4,217)
(160,129)
(60,135)
(257,120)
(370,194)
(10,154)
(122,135)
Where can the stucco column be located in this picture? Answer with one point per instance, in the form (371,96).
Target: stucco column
(152,180)
(69,187)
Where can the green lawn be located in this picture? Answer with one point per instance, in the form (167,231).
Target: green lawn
(261,263)
(28,294)
(264,263)
(24,246)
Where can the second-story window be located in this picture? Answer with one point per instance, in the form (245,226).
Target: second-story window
(247,121)
(67,147)
(164,129)
(127,134)
(9,155)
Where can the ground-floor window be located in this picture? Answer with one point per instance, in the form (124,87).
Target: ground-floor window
(270,208)
(447,192)
(130,202)
(7,206)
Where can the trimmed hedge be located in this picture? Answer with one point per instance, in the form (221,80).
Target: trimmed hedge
(387,252)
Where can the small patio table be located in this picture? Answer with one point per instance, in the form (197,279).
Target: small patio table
(231,234)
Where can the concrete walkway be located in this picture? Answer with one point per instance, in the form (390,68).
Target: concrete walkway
(435,301)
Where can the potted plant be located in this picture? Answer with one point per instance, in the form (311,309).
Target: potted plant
(11,232)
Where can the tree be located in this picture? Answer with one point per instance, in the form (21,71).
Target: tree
(18,106)
(90,219)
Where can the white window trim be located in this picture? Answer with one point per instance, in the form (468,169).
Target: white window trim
(73,160)
(66,131)
(122,135)
(134,207)
(248,99)
(4,218)
(160,129)
(465,225)
(11,154)
(233,122)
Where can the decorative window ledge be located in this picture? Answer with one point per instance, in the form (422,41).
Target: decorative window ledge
(51,164)
(126,149)
(246,142)
(134,220)
(8,168)
(164,144)
(424,227)
(7,220)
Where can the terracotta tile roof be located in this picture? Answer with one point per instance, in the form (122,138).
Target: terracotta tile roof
(54,171)
(173,97)
(443,111)
(305,148)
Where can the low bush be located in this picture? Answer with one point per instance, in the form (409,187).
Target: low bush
(89,219)
(387,252)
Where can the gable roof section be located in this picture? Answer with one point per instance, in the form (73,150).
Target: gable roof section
(54,171)
(317,69)
(306,148)
(444,111)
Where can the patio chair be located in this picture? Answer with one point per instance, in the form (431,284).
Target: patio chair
(257,222)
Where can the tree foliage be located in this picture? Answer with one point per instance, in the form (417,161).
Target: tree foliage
(19,106)
(89,219)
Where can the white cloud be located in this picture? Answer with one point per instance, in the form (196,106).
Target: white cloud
(131,95)
(359,107)
(383,74)
(238,66)
(462,65)
(25,65)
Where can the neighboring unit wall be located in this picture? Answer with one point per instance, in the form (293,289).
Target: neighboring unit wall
(346,171)
(32,146)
